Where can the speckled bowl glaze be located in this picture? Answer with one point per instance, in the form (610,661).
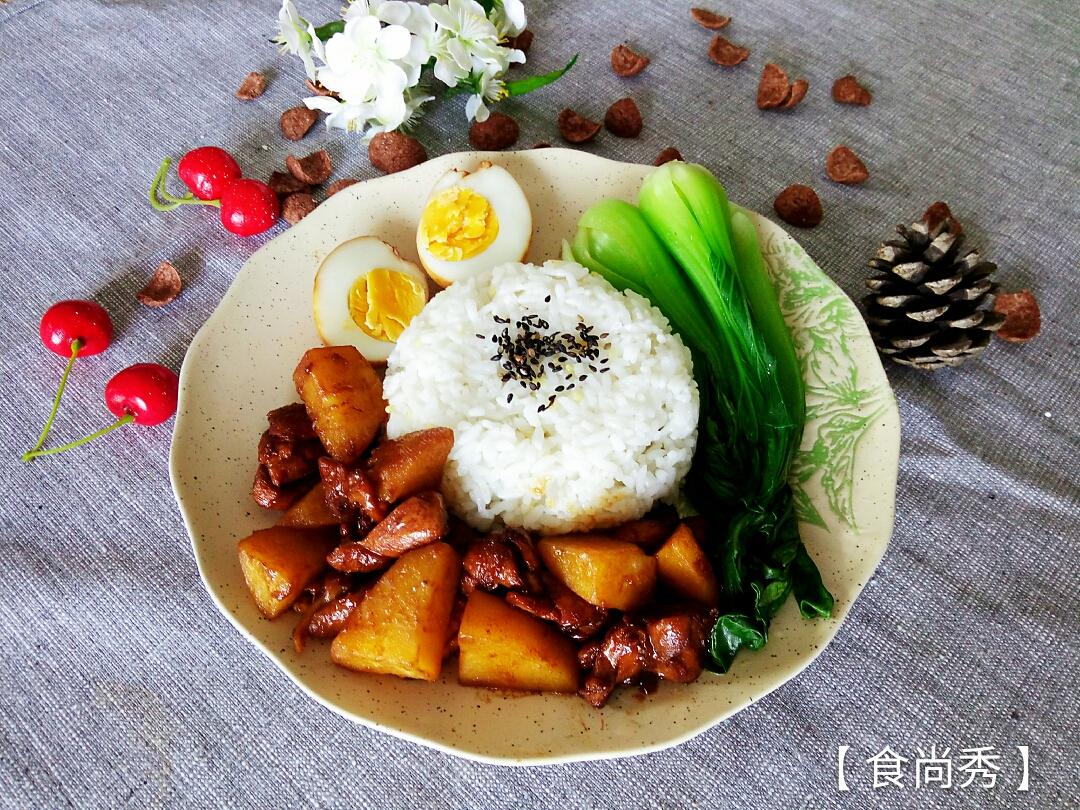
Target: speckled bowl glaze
(239,367)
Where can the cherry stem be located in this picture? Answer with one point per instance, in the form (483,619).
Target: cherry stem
(162,200)
(52,451)
(75,346)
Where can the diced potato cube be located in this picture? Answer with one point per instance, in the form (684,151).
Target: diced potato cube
(402,625)
(279,562)
(604,572)
(310,511)
(506,648)
(683,567)
(343,397)
(411,463)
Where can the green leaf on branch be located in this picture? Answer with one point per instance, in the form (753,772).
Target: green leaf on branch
(519,87)
(327,30)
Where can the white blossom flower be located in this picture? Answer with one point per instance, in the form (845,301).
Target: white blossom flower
(369,118)
(412,16)
(296,36)
(487,87)
(467,42)
(340,114)
(508,17)
(363,62)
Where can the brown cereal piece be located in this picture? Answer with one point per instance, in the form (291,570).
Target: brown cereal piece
(162,288)
(843,166)
(340,185)
(497,132)
(667,155)
(1022,318)
(799,205)
(297,206)
(395,152)
(623,118)
(575,128)
(626,62)
(774,87)
(798,93)
(522,42)
(938,213)
(253,86)
(709,19)
(727,54)
(296,122)
(318,89)
(314,169)
(283,184)
(847,90)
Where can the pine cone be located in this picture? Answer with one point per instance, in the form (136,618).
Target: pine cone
(930,304)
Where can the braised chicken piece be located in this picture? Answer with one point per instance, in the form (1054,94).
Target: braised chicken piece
(678,644)
(349,492)
(502,560)
(650,531)
(270,496)
(291,422)
(621,656)
(413,523)
(669,645)
(288,460)
(330,619)
(576,617)
(455,624)
(355,558)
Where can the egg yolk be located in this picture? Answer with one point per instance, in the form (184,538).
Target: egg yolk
(457,224)
(383,302)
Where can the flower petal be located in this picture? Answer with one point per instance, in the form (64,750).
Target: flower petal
(394,42)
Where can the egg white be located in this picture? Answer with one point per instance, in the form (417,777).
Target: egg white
(511,208)
(335,278)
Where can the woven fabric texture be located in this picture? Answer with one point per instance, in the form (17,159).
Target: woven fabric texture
(120,683)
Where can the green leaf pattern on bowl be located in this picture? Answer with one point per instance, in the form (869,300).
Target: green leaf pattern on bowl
(839,409)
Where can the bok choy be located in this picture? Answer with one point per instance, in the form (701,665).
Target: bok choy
(684,249)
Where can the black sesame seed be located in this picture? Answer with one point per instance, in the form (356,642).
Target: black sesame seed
(583,377)
(509,397)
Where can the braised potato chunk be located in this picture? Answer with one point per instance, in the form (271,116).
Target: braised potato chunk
(502,647)
(343,396)
(411,463)
(278,563)
(684,568)
(310,511)
(402,625)
(604,572)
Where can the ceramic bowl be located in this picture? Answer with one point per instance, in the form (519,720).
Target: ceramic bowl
(239,367)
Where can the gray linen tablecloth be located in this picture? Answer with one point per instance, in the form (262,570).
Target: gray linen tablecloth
(120,683)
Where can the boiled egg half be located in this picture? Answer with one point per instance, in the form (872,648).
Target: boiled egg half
(471,222)
(365,296)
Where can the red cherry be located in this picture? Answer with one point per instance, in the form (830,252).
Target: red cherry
(207,171)
(248,207)
(145,391)
(67,321)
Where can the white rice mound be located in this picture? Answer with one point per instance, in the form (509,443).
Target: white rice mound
(603,453)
